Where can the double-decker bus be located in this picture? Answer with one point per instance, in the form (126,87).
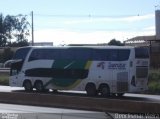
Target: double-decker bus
(101,70)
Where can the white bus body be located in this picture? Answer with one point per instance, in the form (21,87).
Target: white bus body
(105,70)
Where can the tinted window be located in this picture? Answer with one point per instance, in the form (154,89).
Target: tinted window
(21,53)
(38,54)
(71,54)
(141,52)
(34,55)
(141,72)
(111,54)
(80,54)
(123,54)
(100,54)
(66,54)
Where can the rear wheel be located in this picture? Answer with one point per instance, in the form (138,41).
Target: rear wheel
(39,86)
(28,86)
(91,90)
(104,90)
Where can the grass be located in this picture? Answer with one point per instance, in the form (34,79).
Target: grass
(154,81)
(4,78)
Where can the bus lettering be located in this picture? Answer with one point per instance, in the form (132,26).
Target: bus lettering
(116,66)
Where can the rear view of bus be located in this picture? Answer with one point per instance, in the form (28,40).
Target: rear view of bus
(140,80)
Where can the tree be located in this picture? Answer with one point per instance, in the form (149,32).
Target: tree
(13,28)
(7,54)
(3,38)
(21,28)
(115,42)
(19,43)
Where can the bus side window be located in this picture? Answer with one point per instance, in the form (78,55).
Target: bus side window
(123,54)
(82,54)
(100,55)
(33,56)
(113,55)
(67,54)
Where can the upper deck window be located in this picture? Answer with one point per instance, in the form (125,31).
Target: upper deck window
(141,52)
(111,54)
(81,54)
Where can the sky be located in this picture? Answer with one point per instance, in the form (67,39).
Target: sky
(85,21)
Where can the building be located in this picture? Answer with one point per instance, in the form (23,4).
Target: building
(145,40)
(152,42)
(140,41)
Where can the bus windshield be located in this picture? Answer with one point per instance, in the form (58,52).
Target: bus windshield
(21,53)
(141,53)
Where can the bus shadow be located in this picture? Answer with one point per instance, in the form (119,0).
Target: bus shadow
(85,95)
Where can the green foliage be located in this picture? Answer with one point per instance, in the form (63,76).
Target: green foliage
(154,82)
(115,42)
(19,44)
(7,54)
(13,28)
(154,87)
(3,38)
(4,79)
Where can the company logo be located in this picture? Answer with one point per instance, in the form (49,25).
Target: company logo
(101,65)
(116,66)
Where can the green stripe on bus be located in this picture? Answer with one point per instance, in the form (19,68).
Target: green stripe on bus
(68,64)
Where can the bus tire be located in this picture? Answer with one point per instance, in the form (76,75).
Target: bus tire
(27,85)
(91,89)
(39,86)
(104,90)
(55,91)
(120,94)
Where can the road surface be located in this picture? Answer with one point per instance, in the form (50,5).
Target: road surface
(127,96)
(11,111)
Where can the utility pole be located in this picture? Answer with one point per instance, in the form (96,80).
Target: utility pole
(32,29)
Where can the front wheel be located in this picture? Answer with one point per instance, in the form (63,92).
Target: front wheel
(28,86)
(91,90)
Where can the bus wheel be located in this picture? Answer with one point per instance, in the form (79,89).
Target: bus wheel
(55,91)
(27,86)
(39,86)
(120,94)
(91,89)
(104,90)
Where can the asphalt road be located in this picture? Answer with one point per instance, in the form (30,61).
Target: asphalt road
(127,96)
(10,111)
